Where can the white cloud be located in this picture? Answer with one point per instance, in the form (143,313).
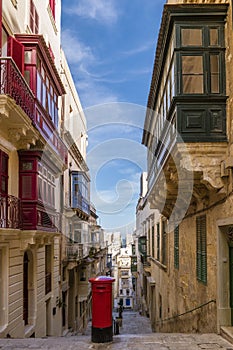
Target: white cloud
(75,50)
(93,93)
(144,47)
(81,57)
(103,11)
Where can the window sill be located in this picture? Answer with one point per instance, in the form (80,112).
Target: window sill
(158,263)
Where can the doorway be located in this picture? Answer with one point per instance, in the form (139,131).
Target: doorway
(231,280)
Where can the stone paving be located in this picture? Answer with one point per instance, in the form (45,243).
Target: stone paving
(135,334)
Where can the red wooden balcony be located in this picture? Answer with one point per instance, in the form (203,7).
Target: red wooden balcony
(37,217)
(10,212)
(13,84)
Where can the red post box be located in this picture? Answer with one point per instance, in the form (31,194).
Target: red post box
(101,309)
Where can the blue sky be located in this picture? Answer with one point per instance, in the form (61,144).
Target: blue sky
(110,47)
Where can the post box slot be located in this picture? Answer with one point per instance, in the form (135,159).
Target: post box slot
(100,287)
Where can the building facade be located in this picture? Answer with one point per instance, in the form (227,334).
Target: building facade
(188,134)
(46,254)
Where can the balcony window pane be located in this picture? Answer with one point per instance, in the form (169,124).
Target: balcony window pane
(191,37)
(214,73)
(38,87)
(214,37)
(44,95)
(28,57)
(192,74)
(27,76)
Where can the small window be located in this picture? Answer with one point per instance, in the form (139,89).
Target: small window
(214,74)
(191,37)
(27,166)
(214,37)
(192,74)
(34,19)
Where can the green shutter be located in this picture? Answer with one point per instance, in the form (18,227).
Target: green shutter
(201,252)
(176,247)
(164,245)
(153,241)
(158,241)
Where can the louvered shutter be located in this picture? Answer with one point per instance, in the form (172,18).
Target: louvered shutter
(201,249)
(176,247)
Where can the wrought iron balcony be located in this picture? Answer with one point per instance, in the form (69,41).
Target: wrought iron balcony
(74,251)
(10,212)
(12,83)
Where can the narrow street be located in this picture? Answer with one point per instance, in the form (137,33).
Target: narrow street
(135,334)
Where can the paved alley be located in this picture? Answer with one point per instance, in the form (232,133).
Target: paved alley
(135,334)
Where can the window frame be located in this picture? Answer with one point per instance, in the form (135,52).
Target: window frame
(33,18)
(206,50)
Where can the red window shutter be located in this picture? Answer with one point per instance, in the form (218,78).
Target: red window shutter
(16,51)
(52,6)
(3,173)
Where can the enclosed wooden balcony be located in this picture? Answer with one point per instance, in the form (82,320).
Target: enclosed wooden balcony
(25,121)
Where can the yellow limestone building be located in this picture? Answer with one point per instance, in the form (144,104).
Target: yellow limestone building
(188,133)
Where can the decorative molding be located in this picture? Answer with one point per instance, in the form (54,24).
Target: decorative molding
(52,19)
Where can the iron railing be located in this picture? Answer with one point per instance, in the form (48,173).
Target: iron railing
(187,312)
(12,83)
(74,251)
(10,212)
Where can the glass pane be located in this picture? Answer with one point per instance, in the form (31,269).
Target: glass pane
(27,76)
(214,37)
(27,57)
(191,37)
(44,95)
(192,74)
(192,84)
(27,166)
(38,87)
(214,73)
(192,65)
